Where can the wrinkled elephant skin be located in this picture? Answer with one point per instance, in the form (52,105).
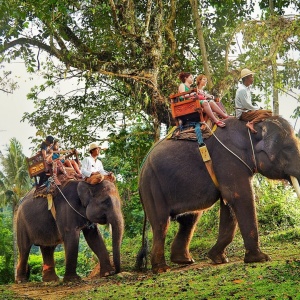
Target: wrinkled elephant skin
(175,184)
(80,209)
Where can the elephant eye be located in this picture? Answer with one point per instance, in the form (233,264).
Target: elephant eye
(107,202)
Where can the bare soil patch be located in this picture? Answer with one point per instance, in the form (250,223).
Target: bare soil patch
(59,290)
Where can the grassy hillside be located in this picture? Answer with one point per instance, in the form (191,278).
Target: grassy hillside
(277,279)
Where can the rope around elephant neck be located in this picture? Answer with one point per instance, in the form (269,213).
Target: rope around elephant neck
(254,158)
(231,150)
(69,202)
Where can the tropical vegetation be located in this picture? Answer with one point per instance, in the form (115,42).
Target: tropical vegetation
(109,67)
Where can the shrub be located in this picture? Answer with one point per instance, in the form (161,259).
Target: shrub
(277,205)
(35,262)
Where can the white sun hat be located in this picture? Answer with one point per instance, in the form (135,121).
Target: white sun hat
(246,72)
(94,146)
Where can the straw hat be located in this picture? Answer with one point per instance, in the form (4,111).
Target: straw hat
(93,146)
(246,72)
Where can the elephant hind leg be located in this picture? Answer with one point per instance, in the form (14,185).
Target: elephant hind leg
(227,229)
(49,273)
(180,253)
(158,260)
(23,270)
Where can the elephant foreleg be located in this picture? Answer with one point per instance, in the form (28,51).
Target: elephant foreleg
(96,243)
(227,229)
(247,220)
(180,247)
(48,264)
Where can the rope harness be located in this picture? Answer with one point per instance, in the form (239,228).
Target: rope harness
(51,206)
(205,153)
(253,170)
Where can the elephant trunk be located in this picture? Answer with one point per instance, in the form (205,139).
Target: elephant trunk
(117,235)
(296,186)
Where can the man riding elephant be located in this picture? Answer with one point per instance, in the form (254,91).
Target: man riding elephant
(245,110)
(92,168)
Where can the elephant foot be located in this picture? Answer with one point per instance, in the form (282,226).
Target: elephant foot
(218,258)
(72,278)
(106,273)
(162,268)
(256,256)
(49,274)
(21,279)
(182,260)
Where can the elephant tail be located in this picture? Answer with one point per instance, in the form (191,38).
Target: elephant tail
(141,259)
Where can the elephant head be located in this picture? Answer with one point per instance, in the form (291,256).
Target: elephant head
(278,151)
(103,206)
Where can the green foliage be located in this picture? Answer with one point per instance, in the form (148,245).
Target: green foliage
(35,262)
(290,235)
(277,204)
(86,262)
(6,246)
(124,157)
(122,59)
(14,179)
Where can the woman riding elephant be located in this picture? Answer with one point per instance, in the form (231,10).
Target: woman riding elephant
(175,183)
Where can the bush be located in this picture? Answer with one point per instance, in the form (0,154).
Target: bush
(277,204)
(6,248)
(35,262)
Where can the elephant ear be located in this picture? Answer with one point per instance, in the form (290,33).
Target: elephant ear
(84,193)
(270,139)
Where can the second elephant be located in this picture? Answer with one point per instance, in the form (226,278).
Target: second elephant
(79,207)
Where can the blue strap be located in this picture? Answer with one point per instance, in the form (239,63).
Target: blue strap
(199,134)
(48,185)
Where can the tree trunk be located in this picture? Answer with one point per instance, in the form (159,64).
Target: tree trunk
(275,90)
(274,72)
(199,29)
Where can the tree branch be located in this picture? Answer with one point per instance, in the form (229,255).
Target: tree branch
(170,27)
(33,42)
(148,17)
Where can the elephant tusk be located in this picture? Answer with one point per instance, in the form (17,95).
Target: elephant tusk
(296,185)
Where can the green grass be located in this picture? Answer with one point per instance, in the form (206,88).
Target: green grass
(277,279)
(272,280)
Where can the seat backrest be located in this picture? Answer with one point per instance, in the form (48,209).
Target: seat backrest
(36,164)
(185,108)
(174,98)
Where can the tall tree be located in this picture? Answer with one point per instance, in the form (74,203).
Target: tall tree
(127,53)
(14,181)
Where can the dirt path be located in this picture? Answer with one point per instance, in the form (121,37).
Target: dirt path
(59,290)
(52,291)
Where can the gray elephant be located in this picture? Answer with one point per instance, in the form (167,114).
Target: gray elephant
(79,207)
(175,184)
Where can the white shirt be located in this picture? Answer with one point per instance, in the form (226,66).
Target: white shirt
(243,101)
(90,165)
